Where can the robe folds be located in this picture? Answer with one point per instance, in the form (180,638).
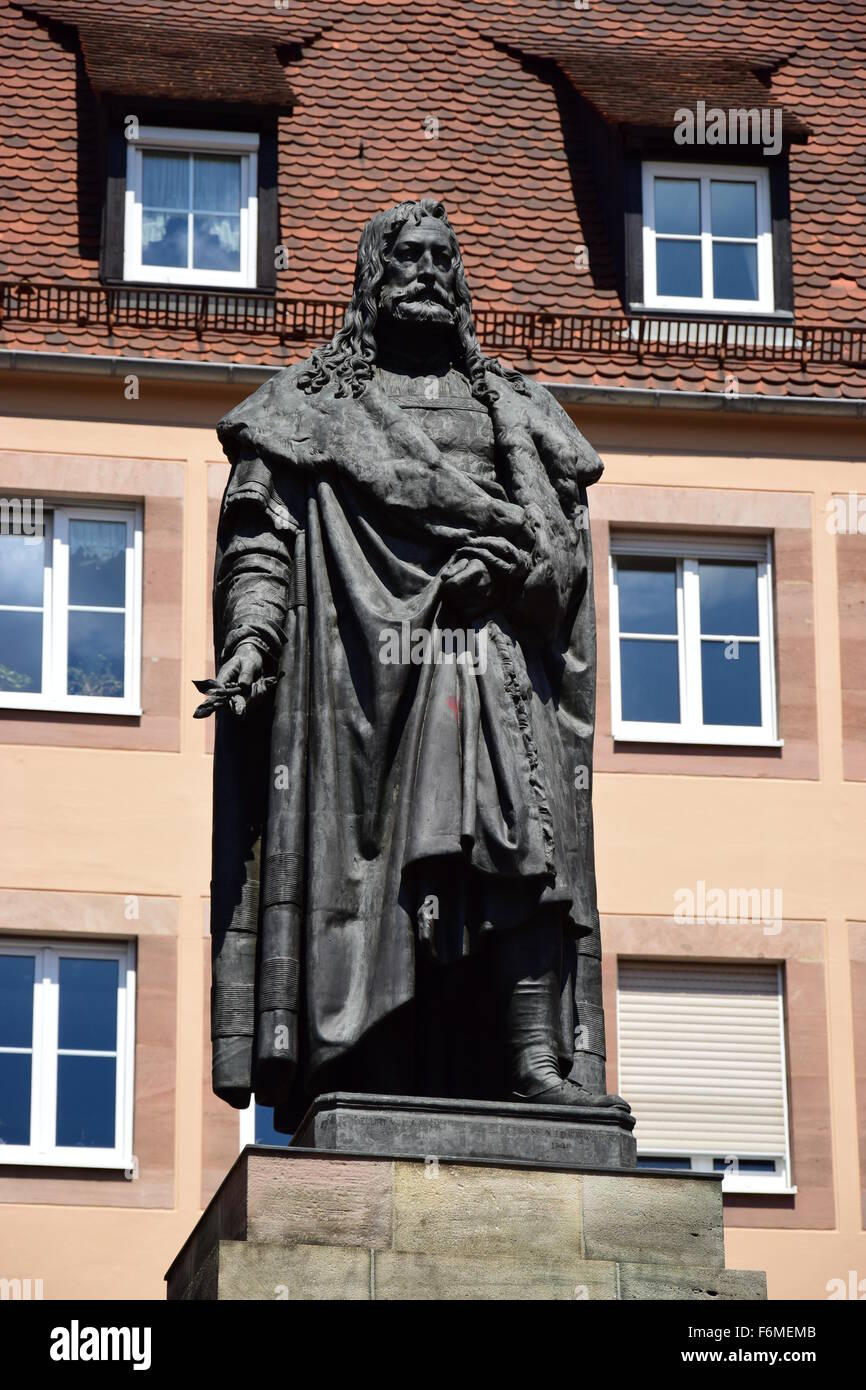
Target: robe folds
(387,799)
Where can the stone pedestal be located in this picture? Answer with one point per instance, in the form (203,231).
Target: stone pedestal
(425,1127)
(311,1224)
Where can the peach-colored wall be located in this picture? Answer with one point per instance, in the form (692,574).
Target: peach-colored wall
(98,811)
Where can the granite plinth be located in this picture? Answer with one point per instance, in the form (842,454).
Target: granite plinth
(424,1127)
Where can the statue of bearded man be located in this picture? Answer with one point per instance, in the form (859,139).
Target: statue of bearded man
(403,884)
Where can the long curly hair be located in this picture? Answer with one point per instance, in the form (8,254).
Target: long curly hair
(349,358)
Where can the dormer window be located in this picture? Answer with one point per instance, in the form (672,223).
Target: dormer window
(707,238)
(191,215)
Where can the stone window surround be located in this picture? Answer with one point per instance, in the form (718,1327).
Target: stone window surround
(851,580)
(110,916)
(800,947)
(787,518)
(159,484)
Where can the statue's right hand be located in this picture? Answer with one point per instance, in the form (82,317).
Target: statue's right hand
(244,668)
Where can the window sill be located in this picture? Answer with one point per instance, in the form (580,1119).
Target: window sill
(94,705)
(710,315)
(260,291)
(729,738)
(83,1159)
(756,1189)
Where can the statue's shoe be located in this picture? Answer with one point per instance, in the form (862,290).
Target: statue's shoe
(569,1093)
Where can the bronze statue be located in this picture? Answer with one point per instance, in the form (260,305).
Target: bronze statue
(403,879)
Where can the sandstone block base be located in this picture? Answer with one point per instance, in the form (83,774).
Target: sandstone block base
(302,1225)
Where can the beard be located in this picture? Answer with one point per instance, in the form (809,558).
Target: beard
(417,303)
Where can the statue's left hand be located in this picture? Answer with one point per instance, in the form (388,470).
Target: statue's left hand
(468,584)
(478,576)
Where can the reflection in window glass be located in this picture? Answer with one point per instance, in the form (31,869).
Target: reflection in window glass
(17,974)
(647,595)
(88,1004)
(734,208)
(97,563)
(96,654)
(678,268)
(15,1077)
(22,581)
(729,598)
(86,1091)
(16,1000)
(191,210)
(650,681)
(678,206)
(22,570)
(20,652)
(735,270)
(87,1024)
(731,682)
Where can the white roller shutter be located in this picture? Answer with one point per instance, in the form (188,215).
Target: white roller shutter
(701,1057)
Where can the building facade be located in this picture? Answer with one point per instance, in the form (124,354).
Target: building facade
(661,217)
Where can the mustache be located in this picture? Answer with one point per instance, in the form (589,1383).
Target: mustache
(409,294)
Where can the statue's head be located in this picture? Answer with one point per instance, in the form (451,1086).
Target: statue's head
(409,263)
(409,280)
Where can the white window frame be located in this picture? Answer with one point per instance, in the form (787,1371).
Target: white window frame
(688,551)
(42,1151)
(706,173)
(55,619)
(242,143)
(777,1183)
(247,1125)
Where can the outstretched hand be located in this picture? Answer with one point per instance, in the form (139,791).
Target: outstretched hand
(239,680)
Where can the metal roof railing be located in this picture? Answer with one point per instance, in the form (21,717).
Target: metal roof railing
(530,332)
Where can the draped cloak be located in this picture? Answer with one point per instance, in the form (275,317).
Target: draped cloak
(368,809)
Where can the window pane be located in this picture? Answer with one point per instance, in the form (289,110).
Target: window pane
(678,268)
(731,683)
(97,563)
(745,1165)
(15,1070)
(734,208)
(16,1001)
(96,642)
(21,569)
(678,206)
(164,180)
(21,652)
(265,1132)
(164,239)
(86,1088)
(88,1004)
(216,183)
(650,681)
(647,590)
(651,1161)
(735,270)
(729,598)
(217,242)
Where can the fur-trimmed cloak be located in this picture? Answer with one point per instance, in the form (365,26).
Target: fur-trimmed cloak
(368,808)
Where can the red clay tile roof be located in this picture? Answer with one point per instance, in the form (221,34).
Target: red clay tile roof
(395,101)
(640,85)
(131,61)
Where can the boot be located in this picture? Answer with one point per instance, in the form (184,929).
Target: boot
(530,964)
